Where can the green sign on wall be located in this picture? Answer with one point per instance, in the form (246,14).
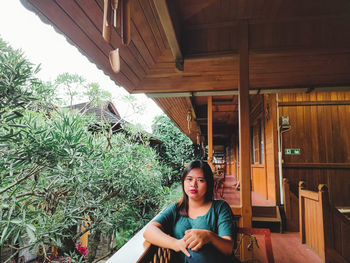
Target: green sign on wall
(292,151)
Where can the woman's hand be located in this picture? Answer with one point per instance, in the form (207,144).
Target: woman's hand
(180,245)
(155,235)
(195,239)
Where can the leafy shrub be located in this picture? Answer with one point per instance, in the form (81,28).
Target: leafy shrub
(56,176)
(177,148)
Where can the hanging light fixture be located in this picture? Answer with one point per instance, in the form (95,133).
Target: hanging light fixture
(189,120)
(198,138)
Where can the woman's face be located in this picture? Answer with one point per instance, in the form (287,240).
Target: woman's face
(195,185)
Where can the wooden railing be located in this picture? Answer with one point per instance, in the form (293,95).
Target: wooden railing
(323,227)
(137,250)
(291,207)
(140,251)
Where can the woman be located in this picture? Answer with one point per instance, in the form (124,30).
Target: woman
(200,228)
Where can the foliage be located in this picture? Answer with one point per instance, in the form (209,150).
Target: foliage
(55,175)
(177,149)
(16,80)
(76,88)
(95,95)
(71,84)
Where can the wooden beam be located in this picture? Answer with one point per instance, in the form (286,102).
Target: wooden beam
(313,103)
(210,131)
(167,24)
(224,108)
(244,126)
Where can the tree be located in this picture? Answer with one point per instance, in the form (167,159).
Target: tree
(96,96)
(177,148)
(72,85)
(55,175)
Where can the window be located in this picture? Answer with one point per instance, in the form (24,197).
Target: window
(257,141)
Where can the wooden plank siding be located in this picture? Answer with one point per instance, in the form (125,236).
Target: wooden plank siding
(259,184)
(287,68)
(63,22)
(94,11)
(321,131)
(292,43)
(81,21)
(271,150)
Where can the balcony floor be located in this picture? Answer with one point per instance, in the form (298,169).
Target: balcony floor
(232,196)
(287,247)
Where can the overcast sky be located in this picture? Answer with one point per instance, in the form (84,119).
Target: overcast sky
(22,29)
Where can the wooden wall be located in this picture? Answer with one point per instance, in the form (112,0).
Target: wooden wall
(259,184)
(320,124)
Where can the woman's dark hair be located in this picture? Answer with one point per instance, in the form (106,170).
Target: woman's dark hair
(182,205)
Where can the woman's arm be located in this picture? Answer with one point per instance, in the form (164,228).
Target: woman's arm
(155,235)
(197,238)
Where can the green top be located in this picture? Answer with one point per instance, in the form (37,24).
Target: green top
(219,219)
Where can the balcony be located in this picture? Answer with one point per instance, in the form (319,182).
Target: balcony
(273,247)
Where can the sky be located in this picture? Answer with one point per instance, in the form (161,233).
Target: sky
(41,44)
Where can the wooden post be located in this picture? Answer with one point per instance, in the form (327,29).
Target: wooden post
(286,197)
(327,221)
(244,126)
(244,133)
(210,131)
(301,213)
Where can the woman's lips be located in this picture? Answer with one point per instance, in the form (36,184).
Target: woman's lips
(193,191)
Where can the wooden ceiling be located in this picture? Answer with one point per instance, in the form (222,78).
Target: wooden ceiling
(292,44)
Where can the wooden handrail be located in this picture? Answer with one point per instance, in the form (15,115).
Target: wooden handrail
(317,165)
(322,226)
(134,250)
(310,195)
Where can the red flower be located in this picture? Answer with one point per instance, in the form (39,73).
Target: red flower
(83,250)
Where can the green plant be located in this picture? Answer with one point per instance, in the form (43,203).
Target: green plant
(177,148)
(56,176)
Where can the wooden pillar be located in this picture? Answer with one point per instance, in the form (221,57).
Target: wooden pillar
(301,213)
(325,213)
(244,125)
(244,133)
(210,131)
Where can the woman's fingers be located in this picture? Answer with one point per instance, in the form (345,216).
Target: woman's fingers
(196,238)
(181,245)
(197,247)
(186,252)
(193,240)
(190,243)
